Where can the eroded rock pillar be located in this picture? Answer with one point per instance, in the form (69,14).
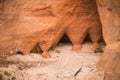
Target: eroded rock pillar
(109,11)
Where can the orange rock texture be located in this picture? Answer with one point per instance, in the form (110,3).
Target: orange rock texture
(25,24)
(109,11)
(28,23)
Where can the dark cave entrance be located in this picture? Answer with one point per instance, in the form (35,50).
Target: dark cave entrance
(65,40)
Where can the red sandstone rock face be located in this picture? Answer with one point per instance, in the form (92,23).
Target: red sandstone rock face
(109,11)
(44,23)
(110,17)
(20,19)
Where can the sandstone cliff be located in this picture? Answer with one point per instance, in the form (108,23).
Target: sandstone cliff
(109,11)
(27,23)
(44,23)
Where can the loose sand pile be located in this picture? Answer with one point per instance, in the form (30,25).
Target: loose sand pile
(63,65)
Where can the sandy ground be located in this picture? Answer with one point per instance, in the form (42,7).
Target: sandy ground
(63,65)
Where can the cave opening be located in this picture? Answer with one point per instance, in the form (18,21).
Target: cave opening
(65,39)
(84,64)
(19,52)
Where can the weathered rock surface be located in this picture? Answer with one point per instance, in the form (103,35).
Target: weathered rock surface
(109,11)
(20,20)
(45,22)
(27,23)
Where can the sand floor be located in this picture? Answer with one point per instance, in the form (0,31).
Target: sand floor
(63,65)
